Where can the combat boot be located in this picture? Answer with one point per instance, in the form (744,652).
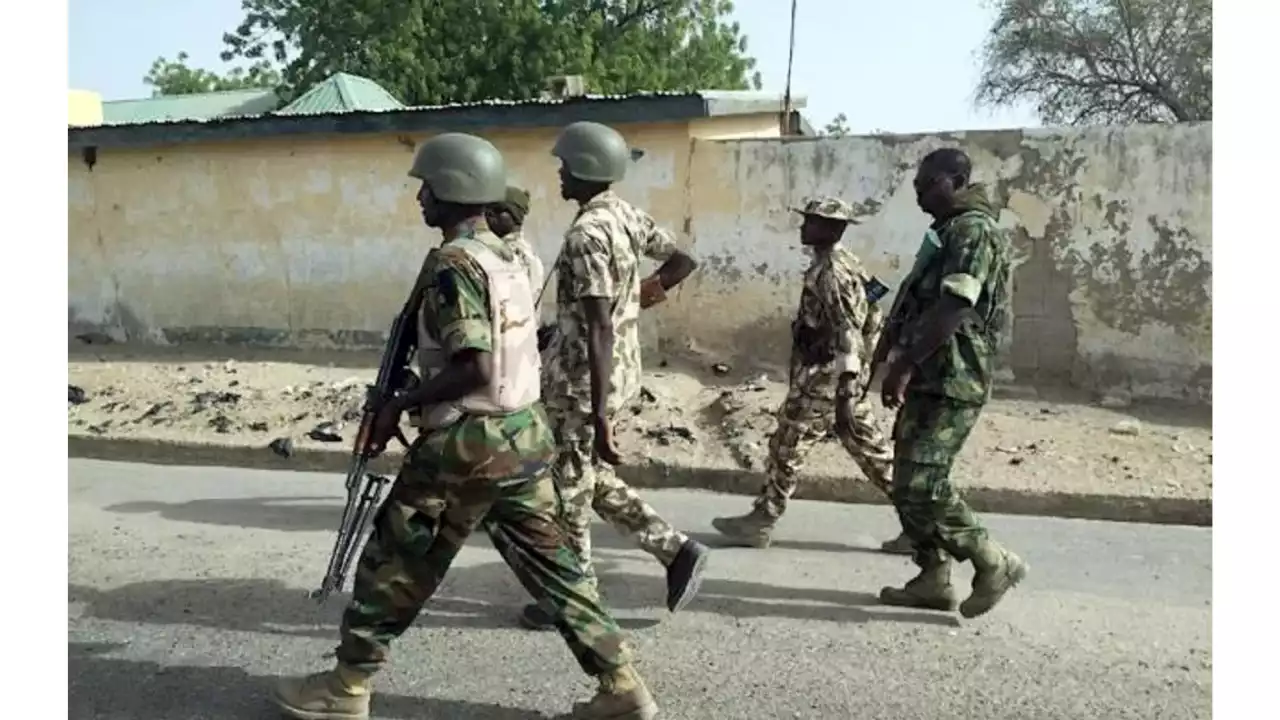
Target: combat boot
(684,574)
(900,545)
(995,572)
(755,529)
(338,694)
(622,696)
(930,590)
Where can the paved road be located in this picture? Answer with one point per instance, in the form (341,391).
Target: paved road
(187,596)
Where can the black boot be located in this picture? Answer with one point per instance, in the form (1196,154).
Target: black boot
(684,574)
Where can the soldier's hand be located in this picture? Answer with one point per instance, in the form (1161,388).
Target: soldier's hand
(893,390)
(606,448)
(385,425)
(651,292)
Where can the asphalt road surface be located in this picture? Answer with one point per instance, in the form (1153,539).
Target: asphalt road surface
(188,597)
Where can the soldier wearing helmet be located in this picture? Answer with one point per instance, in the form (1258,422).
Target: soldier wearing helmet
(836,326)
(483,456)
(506,219)
(593,367)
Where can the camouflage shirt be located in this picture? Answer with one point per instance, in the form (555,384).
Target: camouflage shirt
(528,258)
(835,312)
(974,263)
(601,259)
(456,307)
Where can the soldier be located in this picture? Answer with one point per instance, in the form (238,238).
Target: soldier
(940,365)
(835,328)
(506,220)
(594,360)
(483,457)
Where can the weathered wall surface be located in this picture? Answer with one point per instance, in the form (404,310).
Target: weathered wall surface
(1113,228)
(300,242)
(291,241)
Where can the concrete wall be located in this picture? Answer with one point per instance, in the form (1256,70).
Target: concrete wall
(291,241)
(1113,227)
(314,241)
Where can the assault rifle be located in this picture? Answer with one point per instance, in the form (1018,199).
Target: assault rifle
(365,490)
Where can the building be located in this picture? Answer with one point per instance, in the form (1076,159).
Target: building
(234,217)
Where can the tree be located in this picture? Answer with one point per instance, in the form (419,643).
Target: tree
(838,127)
(428,52)
(175,77)
(1101,61)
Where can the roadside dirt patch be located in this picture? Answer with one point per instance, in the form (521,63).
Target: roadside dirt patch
(681,418)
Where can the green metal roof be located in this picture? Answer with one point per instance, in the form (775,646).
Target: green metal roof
(200,106)
(342,93)
(473,117)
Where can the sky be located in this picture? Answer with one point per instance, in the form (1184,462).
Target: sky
(889,67)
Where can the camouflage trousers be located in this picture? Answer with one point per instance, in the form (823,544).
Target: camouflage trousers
(807,417)
(929,433)
(416,536)
(586,483)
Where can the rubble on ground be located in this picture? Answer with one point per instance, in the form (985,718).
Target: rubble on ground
(703,418)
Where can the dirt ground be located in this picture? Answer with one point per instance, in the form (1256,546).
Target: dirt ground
(693,416)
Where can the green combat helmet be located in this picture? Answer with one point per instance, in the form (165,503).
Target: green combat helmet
(461,168)
(593,152)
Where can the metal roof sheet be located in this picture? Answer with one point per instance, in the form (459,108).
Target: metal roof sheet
(342,92)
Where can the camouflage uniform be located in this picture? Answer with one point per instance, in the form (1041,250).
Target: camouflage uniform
(600,258)
(490,470)
(944,399)
(528,257)
(518,199)
(834,306)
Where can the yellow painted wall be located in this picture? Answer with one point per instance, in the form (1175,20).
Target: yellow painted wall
(314,241)
(84,107)
(292,238)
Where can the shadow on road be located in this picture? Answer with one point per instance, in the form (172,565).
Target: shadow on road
(715,540)
(258,605)
(104,688)
(320,513)
(270,606)
(288,514)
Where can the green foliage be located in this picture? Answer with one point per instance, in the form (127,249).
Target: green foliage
(175,77)
(1101,61)
(429,52)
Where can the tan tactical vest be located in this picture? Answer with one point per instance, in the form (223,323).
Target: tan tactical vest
(516,363)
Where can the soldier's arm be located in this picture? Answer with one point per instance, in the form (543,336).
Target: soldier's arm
(457,298)
(590,282)
(847,308)
(660,246)
(967,261)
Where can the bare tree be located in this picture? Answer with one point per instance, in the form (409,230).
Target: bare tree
(1101,61)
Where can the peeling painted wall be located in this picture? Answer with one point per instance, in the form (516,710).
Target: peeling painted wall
(291,241)
(313,241)
(1113,228)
